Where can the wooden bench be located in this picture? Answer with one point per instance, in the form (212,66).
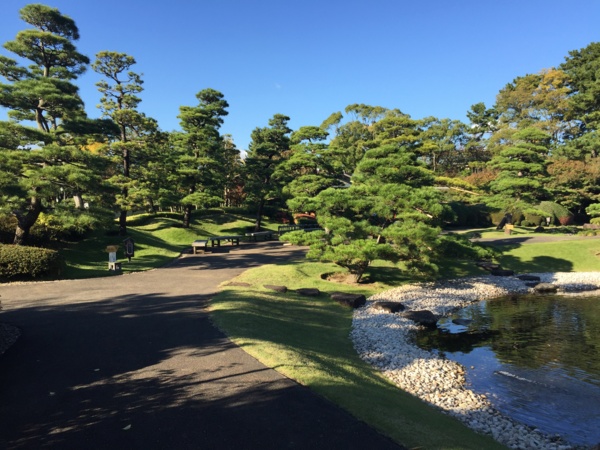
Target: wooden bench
(256,234)
(215,241)
(199,245)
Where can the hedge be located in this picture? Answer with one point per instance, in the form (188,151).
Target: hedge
(22,263)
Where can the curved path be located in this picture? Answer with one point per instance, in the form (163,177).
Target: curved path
(133,362)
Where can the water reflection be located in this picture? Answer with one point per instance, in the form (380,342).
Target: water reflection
(536,357)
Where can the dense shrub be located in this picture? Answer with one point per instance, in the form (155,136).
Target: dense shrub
(20,262)
(497,216)
(466,215)
(534,219)
(557,212)
(64,223)
(8,224)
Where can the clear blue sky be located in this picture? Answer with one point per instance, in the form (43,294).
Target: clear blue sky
(307,59)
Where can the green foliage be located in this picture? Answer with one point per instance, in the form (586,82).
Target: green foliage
(534,220)
(594,211)
(466,215)
(390,212)
(64,223)
(268,149)
(556,212)
(21,263)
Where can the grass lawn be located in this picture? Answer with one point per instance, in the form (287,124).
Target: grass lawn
(158,240)
(306,339)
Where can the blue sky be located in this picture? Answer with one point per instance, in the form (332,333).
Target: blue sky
(307,59)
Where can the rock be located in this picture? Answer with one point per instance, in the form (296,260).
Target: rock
(532,284)
(390,307)
(528,278)
(346,299)
(309,292)
(487,265)
(502,273)
(276,288)
(539,229)
(238,283)
(545,287)
(425,318)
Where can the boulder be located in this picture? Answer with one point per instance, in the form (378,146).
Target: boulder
(532,284)
(538,229)
(309,292)
(502,272)
(425,318)
(276,288)
(390,307)
(528,277)
(346,299)
(545,288)
(487,265)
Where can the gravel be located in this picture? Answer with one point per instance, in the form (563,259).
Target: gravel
(384,340)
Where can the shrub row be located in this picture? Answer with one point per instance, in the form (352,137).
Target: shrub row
(21,263)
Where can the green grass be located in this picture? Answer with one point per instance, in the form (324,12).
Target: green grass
(561,256)
(158,240)
(307,339)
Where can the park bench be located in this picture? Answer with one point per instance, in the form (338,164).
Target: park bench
(265,235)
(199,245)
(215,241)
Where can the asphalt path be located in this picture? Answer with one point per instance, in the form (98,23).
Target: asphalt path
(134,362)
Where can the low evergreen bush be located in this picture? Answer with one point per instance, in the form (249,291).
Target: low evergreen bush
(19,262)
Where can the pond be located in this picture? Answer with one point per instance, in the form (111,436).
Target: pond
(537,358)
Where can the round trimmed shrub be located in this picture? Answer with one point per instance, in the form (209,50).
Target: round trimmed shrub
(19,262)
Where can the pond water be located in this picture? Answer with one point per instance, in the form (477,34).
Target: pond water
(537,358)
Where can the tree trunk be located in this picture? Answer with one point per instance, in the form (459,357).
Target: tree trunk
(124,191)
(151,205)
(123,223)
(259,215)
(187,216)
(25,222)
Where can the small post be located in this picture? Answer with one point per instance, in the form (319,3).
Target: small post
(112,258)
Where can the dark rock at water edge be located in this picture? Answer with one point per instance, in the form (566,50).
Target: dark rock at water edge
(351,300)
(502,273)
(528,278)
(425,318)
(391,307)
(545,287)
(276,288)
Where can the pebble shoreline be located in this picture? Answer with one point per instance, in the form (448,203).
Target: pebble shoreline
(384,340)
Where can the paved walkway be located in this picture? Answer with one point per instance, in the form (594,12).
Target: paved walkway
(133,362)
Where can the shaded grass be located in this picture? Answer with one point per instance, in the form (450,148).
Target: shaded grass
(307,339)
